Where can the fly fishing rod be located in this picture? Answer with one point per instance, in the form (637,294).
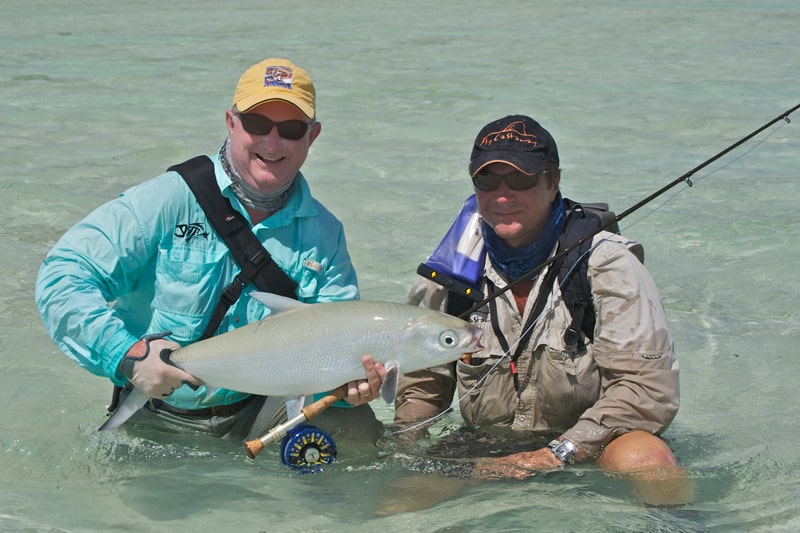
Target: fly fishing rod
(684,178)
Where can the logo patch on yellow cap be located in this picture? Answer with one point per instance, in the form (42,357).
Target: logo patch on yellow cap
(275,79)
(278,76)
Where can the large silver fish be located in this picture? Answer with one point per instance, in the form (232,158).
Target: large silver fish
(302,349)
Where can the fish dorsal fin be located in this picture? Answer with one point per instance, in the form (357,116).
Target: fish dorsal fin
(277,304)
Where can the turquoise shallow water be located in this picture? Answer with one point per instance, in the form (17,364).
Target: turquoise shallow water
(98,96)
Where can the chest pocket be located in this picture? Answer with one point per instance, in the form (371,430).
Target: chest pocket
(187,286)
(567,386)
(490,402)
(310,274)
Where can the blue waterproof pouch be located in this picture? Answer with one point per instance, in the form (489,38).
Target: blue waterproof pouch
(457,263)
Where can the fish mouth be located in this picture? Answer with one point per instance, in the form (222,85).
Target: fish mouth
(478,348)
(477,333)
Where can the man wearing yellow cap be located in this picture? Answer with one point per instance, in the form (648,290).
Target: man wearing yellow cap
(154,253)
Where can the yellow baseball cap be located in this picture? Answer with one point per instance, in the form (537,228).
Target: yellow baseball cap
(275,79)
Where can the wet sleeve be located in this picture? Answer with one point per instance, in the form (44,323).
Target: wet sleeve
(94,261)
(633,350)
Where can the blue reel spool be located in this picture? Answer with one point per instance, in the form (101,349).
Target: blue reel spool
(307,448)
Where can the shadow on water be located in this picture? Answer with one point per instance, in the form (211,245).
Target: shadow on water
(170,478)
(438,471)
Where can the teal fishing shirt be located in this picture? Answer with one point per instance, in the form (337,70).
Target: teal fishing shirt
(149,262)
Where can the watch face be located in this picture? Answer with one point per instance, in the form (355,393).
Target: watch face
(564,450)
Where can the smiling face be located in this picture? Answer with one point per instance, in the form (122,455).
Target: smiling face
(518,217)
(268,162)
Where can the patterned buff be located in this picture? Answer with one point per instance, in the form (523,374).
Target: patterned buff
(512,263)
(249,196)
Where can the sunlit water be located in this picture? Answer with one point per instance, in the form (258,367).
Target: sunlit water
(97,96)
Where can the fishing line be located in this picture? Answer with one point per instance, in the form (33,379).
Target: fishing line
(500,359)
(475,386)
(690,183)
(685,178)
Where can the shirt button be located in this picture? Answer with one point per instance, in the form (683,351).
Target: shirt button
(236,320)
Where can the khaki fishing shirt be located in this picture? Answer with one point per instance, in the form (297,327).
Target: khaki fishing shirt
(626,379)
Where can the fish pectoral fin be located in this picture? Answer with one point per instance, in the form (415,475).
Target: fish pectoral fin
(277,304)
(133,402)
(294,406)
(210,390)
(271,414)
(389,385)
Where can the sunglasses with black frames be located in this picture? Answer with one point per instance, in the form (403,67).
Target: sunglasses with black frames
(516,181)
(256,124)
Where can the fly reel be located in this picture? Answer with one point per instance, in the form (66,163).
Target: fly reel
(307,449)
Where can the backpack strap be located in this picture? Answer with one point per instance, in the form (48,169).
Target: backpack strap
(256,264)
(573,277)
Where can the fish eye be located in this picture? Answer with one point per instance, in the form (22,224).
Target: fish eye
(448,338)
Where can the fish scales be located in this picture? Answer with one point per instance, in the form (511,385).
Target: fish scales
(318,347)
(301,349)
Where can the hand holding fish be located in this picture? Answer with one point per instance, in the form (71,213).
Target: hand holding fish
(364,391)
(148,371)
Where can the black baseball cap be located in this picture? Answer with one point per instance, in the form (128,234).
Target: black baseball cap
(517,140)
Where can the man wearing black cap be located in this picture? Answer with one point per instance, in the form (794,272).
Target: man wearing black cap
(576,393)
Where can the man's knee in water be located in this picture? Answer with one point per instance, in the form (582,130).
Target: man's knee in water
(636,450)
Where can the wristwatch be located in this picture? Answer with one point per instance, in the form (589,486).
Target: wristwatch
(564,450)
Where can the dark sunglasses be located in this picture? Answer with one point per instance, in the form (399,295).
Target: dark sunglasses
(517,181)
(256,124)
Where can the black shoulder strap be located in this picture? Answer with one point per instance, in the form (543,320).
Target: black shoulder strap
(573,278)
(256,263)
(573,272)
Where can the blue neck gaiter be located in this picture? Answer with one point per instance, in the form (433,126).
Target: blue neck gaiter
(514,262)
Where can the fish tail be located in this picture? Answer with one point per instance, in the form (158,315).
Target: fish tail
(133,402)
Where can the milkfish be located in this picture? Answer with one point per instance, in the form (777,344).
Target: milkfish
(301,349)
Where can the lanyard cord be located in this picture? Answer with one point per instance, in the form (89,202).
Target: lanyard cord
(527,329)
